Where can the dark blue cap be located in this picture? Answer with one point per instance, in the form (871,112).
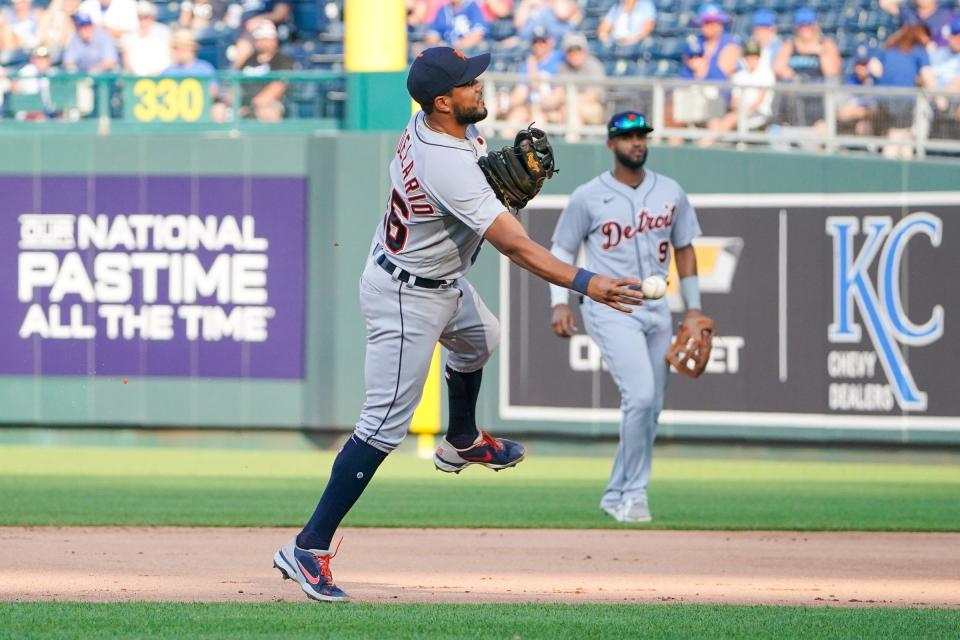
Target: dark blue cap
(804,15)
(439,69)
(764,18)
(627,121)
(82,20)
(861,54)
(954,27)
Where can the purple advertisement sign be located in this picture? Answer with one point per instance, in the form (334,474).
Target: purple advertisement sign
(152,276)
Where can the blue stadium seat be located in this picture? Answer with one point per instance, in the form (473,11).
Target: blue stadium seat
(309,18)
(622,68)
(670,48)
(167,11)
(666,69)
(668,24)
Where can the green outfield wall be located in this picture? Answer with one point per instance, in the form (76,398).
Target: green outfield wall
(344,179)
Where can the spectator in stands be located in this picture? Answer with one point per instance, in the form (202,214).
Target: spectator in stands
(20,26)
(423,12)
(556,17)
(33,79)
(695,105)
(57,26)
(578,63)
(720,48)
(200,15)
(146,51)
(808,57)
(459,24)
(527,98)
(765,34)
(183,54)
(257,12)
(118,17)
(755,97)
(946,60)
(496,9)
(946,72)
(264,100)
(929,13)
(91,50)
(695,63)
(902,63)
(856,110)
(627,22)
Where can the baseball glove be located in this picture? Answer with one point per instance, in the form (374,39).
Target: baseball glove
(690,352)
(516,174)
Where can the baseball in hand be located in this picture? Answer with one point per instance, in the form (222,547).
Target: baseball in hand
(654,287)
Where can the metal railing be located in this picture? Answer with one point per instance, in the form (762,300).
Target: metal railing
(311,99)
(900,122)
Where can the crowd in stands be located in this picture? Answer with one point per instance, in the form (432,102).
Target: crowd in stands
(764,47)
(771,49)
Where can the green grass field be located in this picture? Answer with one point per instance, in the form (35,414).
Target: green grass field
(116,486)
(104,486)
(556,622)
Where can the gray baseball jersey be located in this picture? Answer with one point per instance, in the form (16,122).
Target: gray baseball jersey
(440,204)
(626,231)
(629,232)
(438,209)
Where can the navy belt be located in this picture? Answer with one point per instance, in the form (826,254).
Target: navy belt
(409,278)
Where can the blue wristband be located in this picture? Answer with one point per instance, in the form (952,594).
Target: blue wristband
(690,290)
(581,281)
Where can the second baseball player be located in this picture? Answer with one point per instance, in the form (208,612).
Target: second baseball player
(628,219)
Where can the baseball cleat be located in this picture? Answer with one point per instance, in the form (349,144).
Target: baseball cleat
(613,511)
(635,510)
(493,453)
(310,568)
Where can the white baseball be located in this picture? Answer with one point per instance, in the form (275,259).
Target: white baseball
(654,287)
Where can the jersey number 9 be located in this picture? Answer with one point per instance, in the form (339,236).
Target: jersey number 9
(394,226)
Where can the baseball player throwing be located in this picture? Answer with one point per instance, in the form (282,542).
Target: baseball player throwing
(628,219)
(447,195)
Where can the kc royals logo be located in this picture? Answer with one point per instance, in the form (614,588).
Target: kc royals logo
(880,304)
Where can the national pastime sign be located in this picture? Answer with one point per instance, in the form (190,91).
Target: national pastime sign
(152,275)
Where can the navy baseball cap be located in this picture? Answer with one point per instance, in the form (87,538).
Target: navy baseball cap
(439,69)
(627,121)
(954,28)
(82,20)
(764,18)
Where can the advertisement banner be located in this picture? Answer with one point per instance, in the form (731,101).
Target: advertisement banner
(153,276)
(833,310)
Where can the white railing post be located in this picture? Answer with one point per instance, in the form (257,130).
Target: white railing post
(659,109)
(830,115)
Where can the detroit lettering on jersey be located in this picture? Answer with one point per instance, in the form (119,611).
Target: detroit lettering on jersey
(615,232)
(627,231)
(440,204)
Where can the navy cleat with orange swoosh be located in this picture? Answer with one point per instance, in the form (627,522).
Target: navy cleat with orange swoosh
(310,568)
(494,453)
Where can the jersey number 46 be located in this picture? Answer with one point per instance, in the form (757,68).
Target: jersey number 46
(394,223)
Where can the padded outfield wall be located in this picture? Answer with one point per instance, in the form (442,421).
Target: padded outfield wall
(210,281)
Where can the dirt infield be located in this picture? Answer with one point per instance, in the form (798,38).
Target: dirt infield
(430,565)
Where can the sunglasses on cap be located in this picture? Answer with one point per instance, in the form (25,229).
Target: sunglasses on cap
(629,121)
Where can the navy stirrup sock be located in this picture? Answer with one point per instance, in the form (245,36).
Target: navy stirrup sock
(462,392)
(352,469)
